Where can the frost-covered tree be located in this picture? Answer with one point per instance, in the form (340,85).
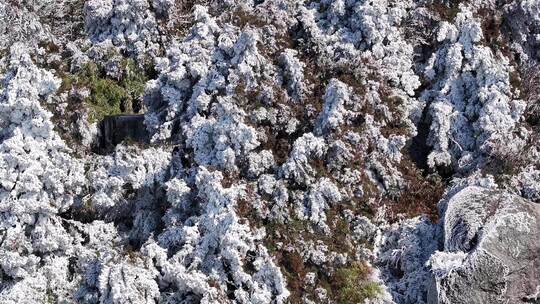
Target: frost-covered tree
(472,106)
(39,176)
(111,176)
(39,180)
(127,24)
(211,59)
(348,34)
(208,258)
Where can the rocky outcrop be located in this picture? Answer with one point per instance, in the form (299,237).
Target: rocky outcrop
(118,128)
(491,249)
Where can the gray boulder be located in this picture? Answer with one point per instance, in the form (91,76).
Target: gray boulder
(491,249)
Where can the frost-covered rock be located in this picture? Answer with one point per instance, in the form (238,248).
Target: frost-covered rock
(490,248)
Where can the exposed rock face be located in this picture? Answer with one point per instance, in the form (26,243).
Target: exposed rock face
(115,129)
(491,249)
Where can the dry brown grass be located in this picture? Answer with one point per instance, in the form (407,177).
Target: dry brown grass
(493,30)
(446,12)
(242,19)
(291,262)
(420,196)
(179,18)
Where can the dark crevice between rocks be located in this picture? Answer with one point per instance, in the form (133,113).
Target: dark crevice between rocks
(113,130)
(419,148)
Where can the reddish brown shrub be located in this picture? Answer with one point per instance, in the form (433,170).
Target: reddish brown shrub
(420,197)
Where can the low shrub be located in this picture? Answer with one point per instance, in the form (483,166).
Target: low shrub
(352,285)
(108,96)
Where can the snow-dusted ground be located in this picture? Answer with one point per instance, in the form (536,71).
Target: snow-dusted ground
(326,151)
